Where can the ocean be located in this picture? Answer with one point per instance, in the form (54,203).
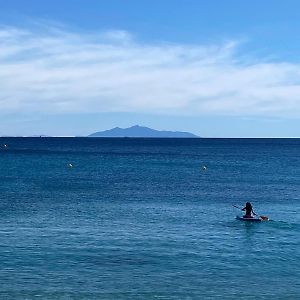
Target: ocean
(142,219)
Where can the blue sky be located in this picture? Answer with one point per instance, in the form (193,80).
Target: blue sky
(215,68)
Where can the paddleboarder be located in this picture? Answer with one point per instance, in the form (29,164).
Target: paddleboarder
(249,210)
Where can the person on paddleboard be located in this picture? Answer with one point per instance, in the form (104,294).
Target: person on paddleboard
(249,210)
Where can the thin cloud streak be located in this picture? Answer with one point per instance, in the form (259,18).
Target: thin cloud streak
(59,71)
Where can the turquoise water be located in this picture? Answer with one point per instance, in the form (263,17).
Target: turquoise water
(140,219)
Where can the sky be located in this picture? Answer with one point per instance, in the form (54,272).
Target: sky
(217,68)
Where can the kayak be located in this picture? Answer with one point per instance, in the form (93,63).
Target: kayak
(249,219)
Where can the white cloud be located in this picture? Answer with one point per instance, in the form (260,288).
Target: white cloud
(60,71)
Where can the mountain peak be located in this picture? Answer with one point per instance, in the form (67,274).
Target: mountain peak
(140,131)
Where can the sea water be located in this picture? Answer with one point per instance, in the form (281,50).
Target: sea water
(142,218)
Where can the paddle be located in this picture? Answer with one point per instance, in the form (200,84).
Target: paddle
(264,218)
(236,207)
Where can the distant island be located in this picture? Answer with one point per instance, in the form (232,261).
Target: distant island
(144,132)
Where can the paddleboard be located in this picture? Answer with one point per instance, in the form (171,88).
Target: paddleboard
(249,219)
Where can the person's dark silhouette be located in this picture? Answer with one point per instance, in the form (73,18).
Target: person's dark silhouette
(249,210)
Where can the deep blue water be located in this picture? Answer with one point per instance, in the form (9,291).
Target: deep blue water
(140,219)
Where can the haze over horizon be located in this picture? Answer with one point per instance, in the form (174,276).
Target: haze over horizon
(216,69)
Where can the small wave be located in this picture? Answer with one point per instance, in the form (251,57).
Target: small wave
(284,225)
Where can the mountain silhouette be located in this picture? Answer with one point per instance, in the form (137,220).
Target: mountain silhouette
(140,131)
